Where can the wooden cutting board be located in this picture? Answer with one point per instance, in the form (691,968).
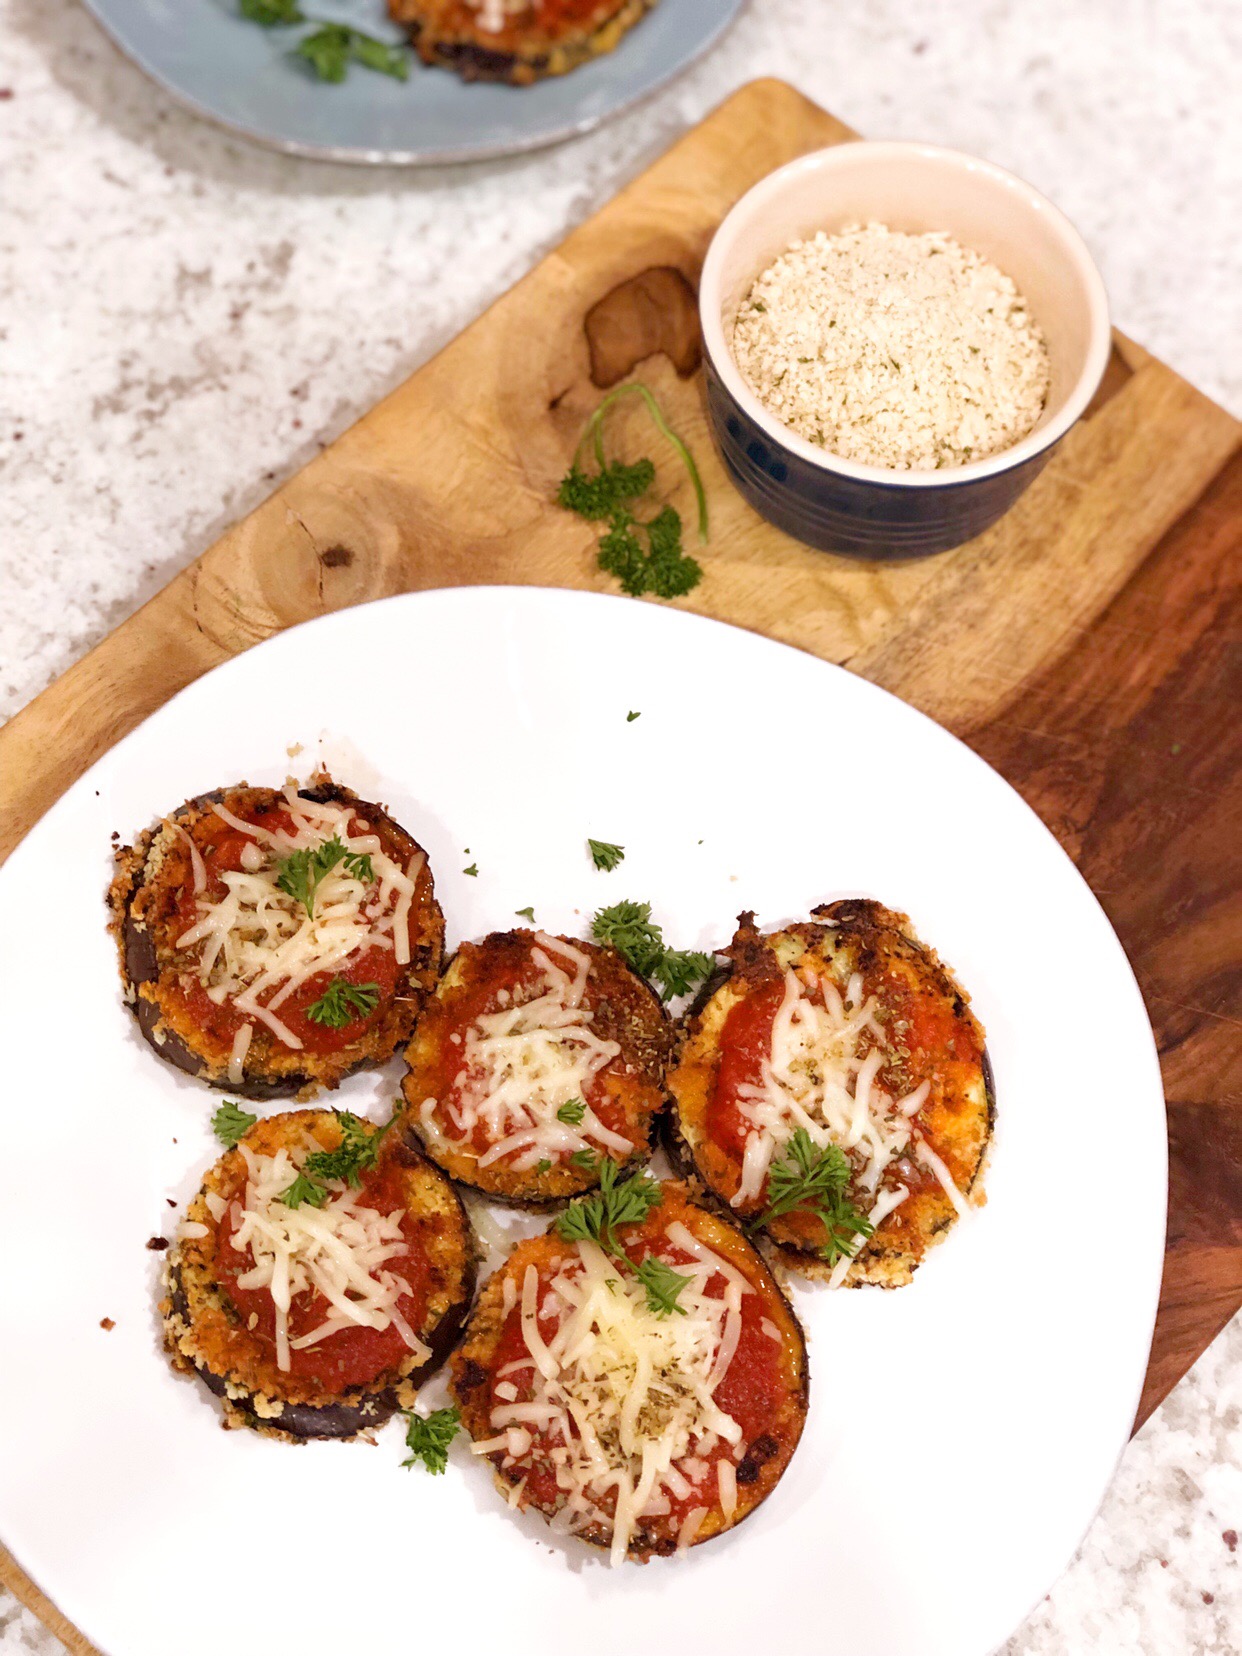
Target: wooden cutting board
(1087,646)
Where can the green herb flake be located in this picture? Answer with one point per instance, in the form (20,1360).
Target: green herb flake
(604,855)
(231,1123)
(331,48)
(630,717)
(342,1002)
(663,1285)
(543,1166)
(572,1113)
(272,14)
(526,914)
(473,871)
(428,1437)
(629,929)
(814,1181)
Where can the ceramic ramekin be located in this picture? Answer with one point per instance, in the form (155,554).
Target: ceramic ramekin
(868,511)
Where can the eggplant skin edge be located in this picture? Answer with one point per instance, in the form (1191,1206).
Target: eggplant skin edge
(887,1269)
(641,1550)
(360,1408)
(140,965)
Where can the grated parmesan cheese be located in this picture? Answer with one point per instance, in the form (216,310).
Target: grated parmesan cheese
(909,352)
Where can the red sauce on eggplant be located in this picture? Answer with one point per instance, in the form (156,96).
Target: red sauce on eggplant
(354,1356)
(221,847)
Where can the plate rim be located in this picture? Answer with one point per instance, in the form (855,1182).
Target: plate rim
(450,155)
(491,594)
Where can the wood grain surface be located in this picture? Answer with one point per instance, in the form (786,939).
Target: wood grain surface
(1087,645)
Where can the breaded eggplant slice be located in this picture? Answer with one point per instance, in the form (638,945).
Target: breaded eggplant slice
(404,1230)
(718,1388)
(499,40)
(535,1057)
(218,1003)
(853,1024)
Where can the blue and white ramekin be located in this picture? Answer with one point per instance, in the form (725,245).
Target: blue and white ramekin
(869,511)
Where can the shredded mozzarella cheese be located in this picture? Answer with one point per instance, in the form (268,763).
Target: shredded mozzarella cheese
(523,1063)
(340,1250)
(626,1397)
(257,945)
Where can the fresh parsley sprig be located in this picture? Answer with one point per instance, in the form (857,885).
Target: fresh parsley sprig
(807,1179)
(330,48)
(595,1218)
(608,495)
(428,1437)
(231,1123)
(629,929)
(604,855)
(355,1155)
(342,1002)
(572,1113)
(301,872)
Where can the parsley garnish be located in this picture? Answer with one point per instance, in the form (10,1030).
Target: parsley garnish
(604,855)
(427,1437)
(526,914)
(543,1166)
(663,1285)
(607,496)
(473,871)
(595,1218)
(342,1002)
(626,1202)
(332,47)
(272,14)
(630,717)
(231,1123)
(585,1159)
(357,1152)
(813,1181)
(572,1113)
(629,929)
(301,871)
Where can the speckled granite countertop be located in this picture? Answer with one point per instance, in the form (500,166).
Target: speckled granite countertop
(185,320)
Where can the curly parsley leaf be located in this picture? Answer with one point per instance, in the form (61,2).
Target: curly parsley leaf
(301,872)
(629,929)
(355,1155)
(428,1437)
(617,1202)
(604,855)
(473,871)
(586,1159)
(332,47)
(572,1113)
(231,1123)
(526,914)
(272,14)
(663,1285)
(808,1179)
(342,1002)
(643,556)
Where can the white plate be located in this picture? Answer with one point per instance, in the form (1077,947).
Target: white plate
(962,1431)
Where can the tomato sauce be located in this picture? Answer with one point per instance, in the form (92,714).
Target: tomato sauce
(221,847)
(353,1356)
(494,993)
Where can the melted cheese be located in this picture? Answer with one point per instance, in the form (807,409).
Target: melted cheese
(624,1400)
(523,1063)
(256,945)
(821,1074)
(340,1250)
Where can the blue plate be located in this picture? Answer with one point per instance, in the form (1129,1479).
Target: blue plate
(242,77)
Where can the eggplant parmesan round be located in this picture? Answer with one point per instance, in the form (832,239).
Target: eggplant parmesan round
(643,1385)
(320,1275)
(274,942)
(536,1057)
(519,41)
(833,1091)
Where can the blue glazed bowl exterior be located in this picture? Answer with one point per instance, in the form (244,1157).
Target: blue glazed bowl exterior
(861,519)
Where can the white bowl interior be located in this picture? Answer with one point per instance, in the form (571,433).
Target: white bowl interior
(915,187)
